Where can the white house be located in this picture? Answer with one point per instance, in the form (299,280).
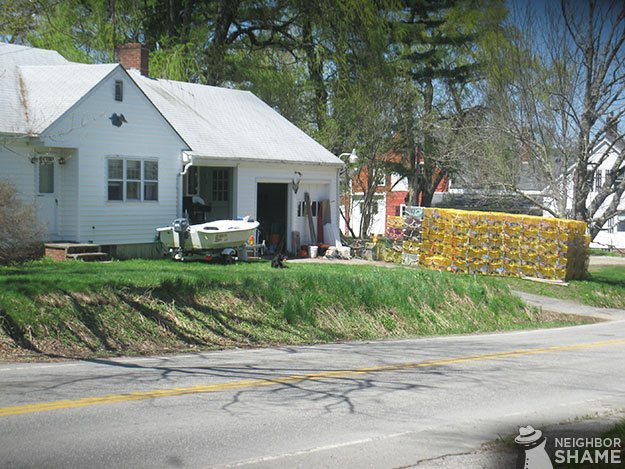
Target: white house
(108,154)
(606,155)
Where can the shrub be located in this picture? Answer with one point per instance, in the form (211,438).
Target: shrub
(21,233)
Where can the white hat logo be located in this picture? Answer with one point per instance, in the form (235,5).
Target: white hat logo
(532,442)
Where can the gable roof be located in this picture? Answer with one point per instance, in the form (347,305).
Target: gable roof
(13,118)
(608,143)
(43,100)
(38,86)
(231,124)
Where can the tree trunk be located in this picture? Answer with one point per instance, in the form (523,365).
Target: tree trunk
(224,17)
(315,72)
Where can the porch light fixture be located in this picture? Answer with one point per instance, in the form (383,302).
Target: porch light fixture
(296,180)
(353,158)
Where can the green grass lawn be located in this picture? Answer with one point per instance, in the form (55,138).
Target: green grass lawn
(601,252)
(152,306)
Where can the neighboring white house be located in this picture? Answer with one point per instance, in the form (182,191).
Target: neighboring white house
(613,233)
(108,154)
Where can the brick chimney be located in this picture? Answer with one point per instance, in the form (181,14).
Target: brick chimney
(135,56)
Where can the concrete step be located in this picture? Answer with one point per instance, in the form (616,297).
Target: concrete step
(78,248)
(74,251)
(89,256)
(71,248)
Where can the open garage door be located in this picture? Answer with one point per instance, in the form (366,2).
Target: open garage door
(271,212)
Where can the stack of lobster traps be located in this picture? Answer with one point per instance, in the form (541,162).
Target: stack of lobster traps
(489,243)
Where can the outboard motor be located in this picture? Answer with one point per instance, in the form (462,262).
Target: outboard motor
(181,227)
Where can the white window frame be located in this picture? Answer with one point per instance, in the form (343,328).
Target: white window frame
(598,180)
(220,185)
(382,180)
(47,160)
(145,181)
(125,179)
(134,180)
(119,90)
(301,208)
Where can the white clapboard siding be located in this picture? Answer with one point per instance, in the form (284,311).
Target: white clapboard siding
(16,169)
(146,135)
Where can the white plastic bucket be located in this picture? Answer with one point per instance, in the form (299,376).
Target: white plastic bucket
(312,251)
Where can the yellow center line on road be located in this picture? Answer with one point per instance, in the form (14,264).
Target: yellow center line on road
(89,401)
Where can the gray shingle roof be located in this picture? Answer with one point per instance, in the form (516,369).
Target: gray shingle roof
(12,115)
(231,124)
(37,86)
(51,90)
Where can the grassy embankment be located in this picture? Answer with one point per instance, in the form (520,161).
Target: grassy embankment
(77,309)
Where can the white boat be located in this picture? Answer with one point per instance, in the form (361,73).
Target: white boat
(206,237)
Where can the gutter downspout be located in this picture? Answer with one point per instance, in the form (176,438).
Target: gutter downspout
(337,207)
(179,189)
(187,166)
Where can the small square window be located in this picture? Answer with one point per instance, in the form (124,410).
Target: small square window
(116,190)
(132,190)
(116,169)
(303,212)
(150,191)
(133,169)
(150,170)
(119,90)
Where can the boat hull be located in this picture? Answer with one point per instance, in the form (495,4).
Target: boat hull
(214,235)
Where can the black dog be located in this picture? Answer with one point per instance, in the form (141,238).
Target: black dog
(278,261)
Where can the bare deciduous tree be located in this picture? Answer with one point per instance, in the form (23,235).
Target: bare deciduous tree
(557,88)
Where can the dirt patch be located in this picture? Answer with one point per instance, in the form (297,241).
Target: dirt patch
(551,316)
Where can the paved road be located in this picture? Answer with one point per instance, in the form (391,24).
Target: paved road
(378,404)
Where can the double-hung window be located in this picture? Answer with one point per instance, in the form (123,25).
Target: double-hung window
(150,180)
(598,180)
(220,185)
(131,179)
